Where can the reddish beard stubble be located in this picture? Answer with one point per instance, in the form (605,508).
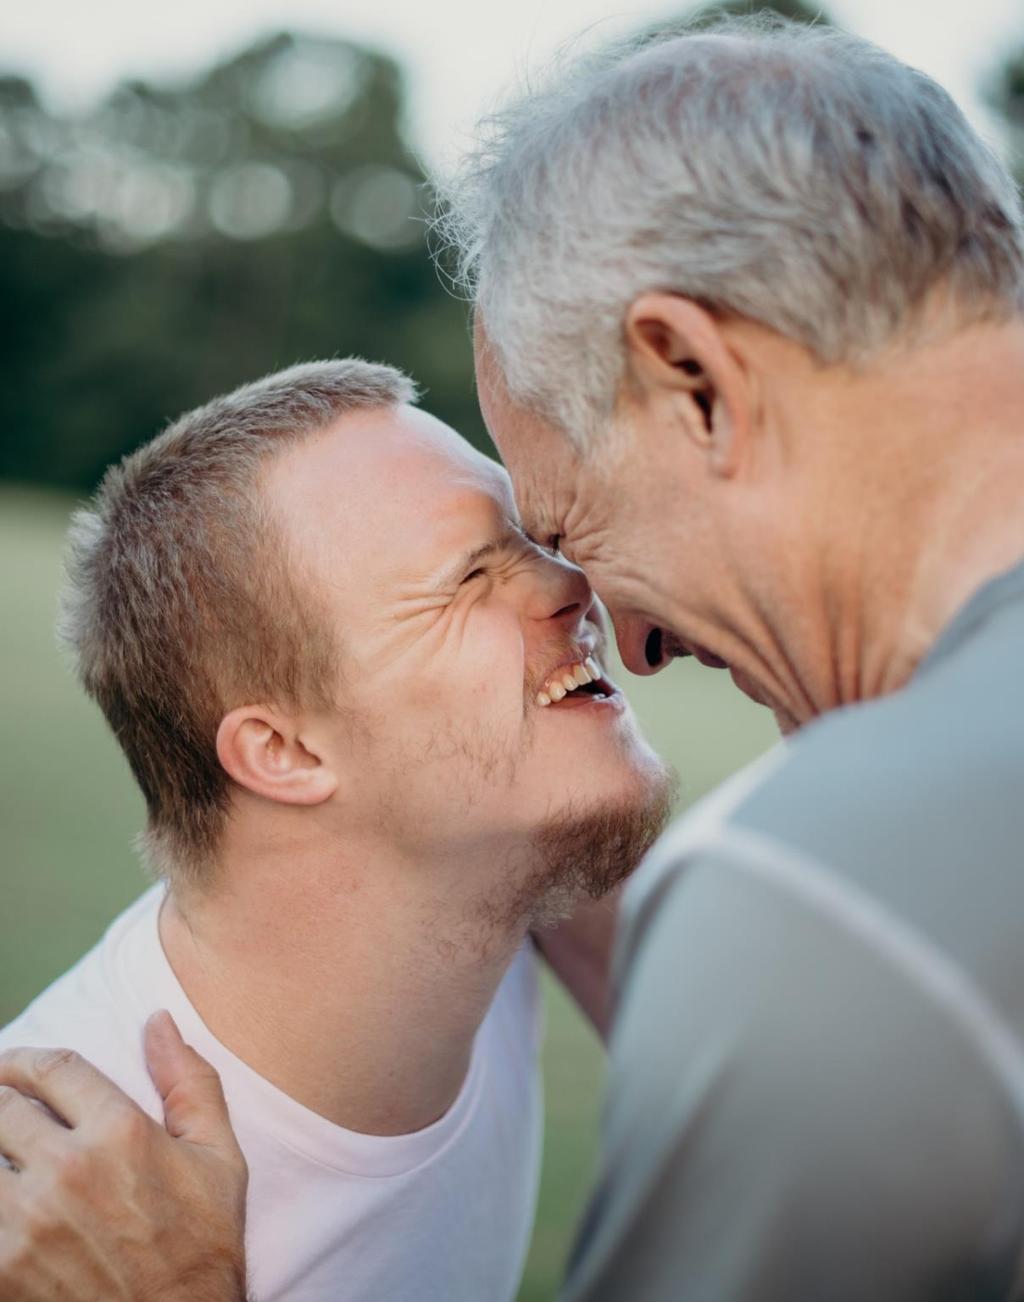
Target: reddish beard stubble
(585,853)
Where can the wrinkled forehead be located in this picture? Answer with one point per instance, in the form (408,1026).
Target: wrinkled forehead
(540,460)
(384,488)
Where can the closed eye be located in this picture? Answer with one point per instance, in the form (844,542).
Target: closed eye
(474,574)
(551,543)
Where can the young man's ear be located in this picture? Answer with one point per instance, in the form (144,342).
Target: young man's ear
(263,752)
(680,365)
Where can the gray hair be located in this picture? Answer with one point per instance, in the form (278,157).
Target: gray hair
(181,601)
(797,176)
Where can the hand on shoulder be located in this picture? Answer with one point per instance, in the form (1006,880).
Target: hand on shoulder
(103,1203)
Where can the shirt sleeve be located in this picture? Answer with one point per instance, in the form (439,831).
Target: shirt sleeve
(790,1116)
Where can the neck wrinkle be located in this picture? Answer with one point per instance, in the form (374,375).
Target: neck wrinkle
(929,452)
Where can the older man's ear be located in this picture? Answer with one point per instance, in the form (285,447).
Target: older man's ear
(683,369)
(273,756)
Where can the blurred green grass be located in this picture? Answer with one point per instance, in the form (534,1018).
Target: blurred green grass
(69,811)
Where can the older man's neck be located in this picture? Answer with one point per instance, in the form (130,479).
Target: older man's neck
(959,522)
(921,466)
(358,999)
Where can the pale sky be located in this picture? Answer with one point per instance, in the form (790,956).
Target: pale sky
(459,54)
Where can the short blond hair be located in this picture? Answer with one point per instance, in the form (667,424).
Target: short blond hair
(180,602)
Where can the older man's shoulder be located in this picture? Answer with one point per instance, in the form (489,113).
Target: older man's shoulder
(906,812)
(929,776)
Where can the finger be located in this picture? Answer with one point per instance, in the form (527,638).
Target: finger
(27,1131)
(69,1086)
(194,1106)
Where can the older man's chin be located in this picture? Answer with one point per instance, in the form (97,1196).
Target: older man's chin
(785,721)
(585,853)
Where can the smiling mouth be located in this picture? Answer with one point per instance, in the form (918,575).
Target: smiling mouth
(575,684)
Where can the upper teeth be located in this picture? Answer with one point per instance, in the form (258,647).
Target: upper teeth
(564,681)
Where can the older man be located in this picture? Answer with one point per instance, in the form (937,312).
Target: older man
(377,747)
(751,339)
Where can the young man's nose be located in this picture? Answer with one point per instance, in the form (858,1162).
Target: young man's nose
(562,592)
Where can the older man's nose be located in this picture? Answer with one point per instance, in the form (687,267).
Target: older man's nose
(641,644)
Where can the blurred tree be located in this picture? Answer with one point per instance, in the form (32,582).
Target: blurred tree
(1005,93)
(178,240)
(702,15)
(798,10)
(175,242)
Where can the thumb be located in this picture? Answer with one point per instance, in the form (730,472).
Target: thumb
(194,1107)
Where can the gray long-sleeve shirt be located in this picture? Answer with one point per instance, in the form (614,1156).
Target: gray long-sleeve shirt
(816,1088)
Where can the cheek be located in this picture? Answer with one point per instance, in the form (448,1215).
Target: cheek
(473,681)
(465,735)
(489,667)
(620,582)
(644,564)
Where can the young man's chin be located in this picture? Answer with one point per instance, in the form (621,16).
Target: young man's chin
(585,852)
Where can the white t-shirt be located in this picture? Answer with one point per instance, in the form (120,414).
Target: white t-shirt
(442,1215)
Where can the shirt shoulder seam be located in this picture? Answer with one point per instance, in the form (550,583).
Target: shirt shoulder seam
(891,938)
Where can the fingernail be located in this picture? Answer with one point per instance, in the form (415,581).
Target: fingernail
(161,1024)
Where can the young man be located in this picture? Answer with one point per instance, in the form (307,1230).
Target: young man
(377,748)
